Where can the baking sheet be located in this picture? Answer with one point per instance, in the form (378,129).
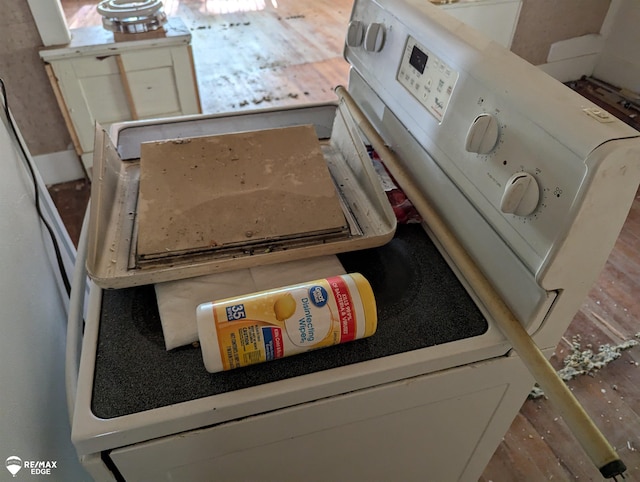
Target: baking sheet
(111,257)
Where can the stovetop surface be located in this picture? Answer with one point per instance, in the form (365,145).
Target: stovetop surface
(420,304)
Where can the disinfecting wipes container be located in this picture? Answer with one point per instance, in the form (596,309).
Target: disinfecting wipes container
(271,324)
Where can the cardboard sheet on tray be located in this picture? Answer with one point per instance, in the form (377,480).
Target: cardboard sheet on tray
(120,205)
(241,189)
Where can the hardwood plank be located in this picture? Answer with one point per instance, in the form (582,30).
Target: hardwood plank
(71,200)
(557,435)
(524,455)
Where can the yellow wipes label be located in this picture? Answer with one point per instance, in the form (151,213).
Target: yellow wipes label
(270,325)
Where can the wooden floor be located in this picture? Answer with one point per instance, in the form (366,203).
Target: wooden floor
(539,446)
(251,54)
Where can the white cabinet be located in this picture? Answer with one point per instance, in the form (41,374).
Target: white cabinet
(497,19)
(98,80)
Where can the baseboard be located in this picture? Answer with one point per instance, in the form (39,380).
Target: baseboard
(576,47)
(58,167)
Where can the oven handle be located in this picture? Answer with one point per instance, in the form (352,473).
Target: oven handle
(593,442)
(75,317)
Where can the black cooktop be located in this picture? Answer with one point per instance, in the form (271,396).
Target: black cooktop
(420,304)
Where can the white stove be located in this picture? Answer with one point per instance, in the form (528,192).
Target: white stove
(534,181)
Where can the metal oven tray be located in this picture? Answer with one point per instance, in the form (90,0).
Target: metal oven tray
(114,195)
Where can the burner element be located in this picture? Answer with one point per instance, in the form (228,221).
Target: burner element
(128,16)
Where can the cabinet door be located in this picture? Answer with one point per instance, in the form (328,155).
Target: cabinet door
(93,92)
(160,82)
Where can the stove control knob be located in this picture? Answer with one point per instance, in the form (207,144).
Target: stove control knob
(521,195)
(374,37)
(483,134)
(355,33)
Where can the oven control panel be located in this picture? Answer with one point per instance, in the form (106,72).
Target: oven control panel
(515,143)
(427,77)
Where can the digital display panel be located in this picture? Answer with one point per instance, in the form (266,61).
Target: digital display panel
(427,77)
(418,59)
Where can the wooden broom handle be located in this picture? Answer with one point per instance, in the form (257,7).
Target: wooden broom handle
(593,442)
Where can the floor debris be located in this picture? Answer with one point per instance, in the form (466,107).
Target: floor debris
(586,362)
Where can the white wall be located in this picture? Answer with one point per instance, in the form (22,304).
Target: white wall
(34,423)
(50,21)
(619,61)
(612,55)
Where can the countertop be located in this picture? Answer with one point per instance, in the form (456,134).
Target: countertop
(96,40)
